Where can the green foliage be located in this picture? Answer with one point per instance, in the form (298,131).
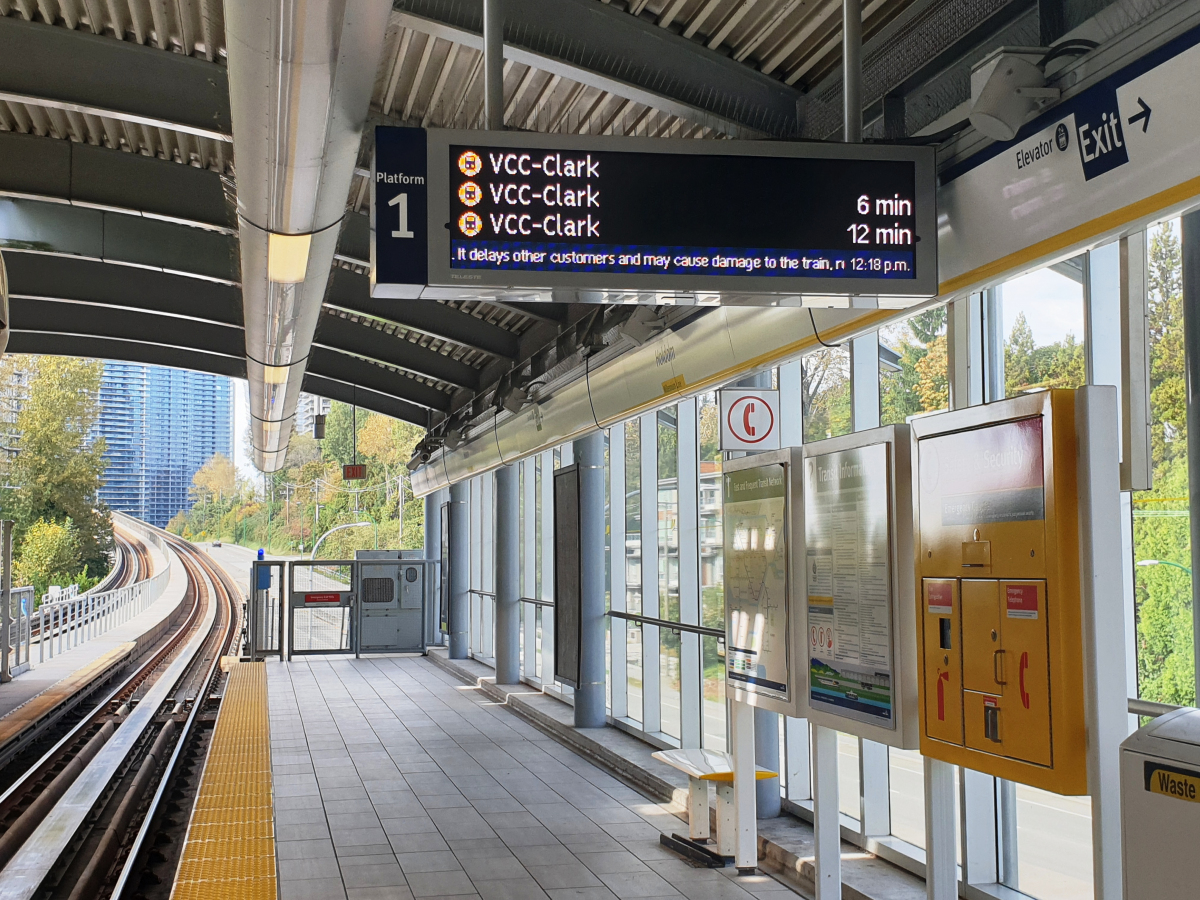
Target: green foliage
(287,511)
(1166,665)
(50,554)
(58,472)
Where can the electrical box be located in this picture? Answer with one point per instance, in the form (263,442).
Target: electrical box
(1000,638)
(1160,807)
(763,511)
(861,661)
(391,607)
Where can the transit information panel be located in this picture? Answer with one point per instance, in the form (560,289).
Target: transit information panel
(528,211)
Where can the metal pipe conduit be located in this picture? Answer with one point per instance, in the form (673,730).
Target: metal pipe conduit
(300,80)
(704,353)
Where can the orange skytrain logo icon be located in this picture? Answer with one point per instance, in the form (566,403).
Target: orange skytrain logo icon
(470,193)
(470,224)
(470,163)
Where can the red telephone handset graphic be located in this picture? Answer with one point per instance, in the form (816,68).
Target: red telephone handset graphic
(749,408)
(943,680)
(1024,693)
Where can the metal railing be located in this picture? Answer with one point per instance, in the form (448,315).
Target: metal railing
(666,623)
(69,622)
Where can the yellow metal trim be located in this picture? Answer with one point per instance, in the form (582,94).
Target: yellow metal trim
(759,775)
(1079,234)
(230,845)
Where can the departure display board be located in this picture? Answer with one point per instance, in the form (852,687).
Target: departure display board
(520,211)
(668,214)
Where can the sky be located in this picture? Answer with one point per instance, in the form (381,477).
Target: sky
(241,429)
(1052,303)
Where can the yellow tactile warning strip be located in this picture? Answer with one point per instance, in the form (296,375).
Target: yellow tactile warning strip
(230,846)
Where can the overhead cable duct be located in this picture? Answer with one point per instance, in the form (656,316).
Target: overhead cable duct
(300,79)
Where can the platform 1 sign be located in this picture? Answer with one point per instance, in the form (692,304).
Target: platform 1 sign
(456,212)
(749,419)
(1123,152)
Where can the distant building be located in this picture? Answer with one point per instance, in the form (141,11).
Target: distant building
(160,426)
(307,408)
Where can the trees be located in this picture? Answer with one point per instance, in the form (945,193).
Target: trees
(58,472)
(50,554)
(308,497)
(1166,667)
(216,478)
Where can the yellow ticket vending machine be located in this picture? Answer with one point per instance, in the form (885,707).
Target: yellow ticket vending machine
(998,594)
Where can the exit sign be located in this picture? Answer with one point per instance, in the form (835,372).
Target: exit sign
(354,473)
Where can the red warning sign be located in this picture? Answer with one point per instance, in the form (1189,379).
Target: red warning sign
(321,599)
(1022,600)
(940,597)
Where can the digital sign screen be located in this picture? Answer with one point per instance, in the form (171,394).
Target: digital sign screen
(673,214)
(463,214)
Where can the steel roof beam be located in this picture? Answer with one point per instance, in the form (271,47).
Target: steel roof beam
(41,167)
(72,317)
(606,48)
(351,292)
(337,333)
(333,389)
(132,287)
(118,238)
(93,347)
(60,68)
(354,370)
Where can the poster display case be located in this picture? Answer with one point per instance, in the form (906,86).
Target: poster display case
(860,635)
(763,514)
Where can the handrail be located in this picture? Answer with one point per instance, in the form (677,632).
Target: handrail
(664,623)
(536,602)
(1151,708)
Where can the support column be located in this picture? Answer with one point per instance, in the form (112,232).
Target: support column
(941,877)
(1190,240)
(460,569)
(433,575)
(508,575)
(827,824)
(745,818)
(6,538)
(493,64)
(766,754)
(589,696)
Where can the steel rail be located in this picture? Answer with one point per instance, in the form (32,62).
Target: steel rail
(125,690)
(141,843)
(38,856)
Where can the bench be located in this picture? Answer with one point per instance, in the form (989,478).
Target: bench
(701,767)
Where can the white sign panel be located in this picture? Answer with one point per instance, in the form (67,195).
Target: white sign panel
(1124,150)
(749,420)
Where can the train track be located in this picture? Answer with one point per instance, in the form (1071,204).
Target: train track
(100,813)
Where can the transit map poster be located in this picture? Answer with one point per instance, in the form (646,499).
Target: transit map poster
(848,558)
(756,581)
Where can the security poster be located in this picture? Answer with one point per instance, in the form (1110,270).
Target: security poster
(756,580)
(850,629)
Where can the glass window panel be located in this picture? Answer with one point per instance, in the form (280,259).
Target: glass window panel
(633,517)
(538,644)
(668,515)
(713,736)
(712,575)
(521,527)
(537,527)
(1161,530)
(1042,316)
(825,393)
(913,367)
(633,657)
(668,682)
(906,787)
(1054,845)
(848,801)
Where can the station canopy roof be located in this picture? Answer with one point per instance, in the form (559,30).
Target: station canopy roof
(118,182)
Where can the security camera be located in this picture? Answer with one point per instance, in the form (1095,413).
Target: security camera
(1008,88)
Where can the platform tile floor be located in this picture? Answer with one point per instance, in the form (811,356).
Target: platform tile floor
(392,780)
